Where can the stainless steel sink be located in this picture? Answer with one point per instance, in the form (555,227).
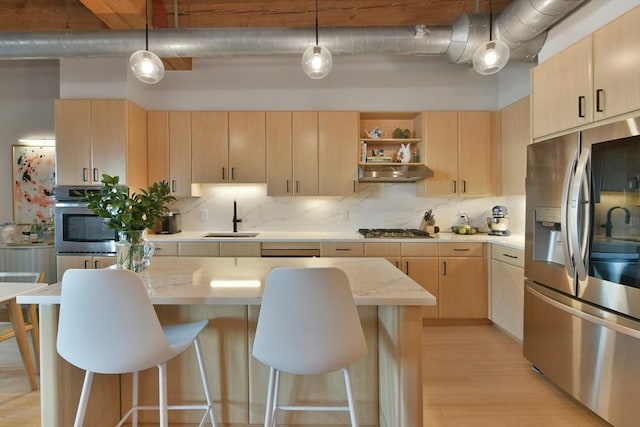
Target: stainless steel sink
(231,234)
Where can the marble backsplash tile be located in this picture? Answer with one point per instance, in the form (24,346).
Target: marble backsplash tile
(375,205)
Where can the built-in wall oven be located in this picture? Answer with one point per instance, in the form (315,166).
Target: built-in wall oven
(582,269)
(79,231)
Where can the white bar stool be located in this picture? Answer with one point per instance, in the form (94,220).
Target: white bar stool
(108,326)
(308,324)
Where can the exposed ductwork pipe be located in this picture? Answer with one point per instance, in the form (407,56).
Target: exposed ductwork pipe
(522,25)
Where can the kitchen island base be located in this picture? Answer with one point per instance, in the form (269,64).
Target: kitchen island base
(387,384)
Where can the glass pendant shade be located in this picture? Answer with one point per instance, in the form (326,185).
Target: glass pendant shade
(317,61)
(146,66)
(491,57)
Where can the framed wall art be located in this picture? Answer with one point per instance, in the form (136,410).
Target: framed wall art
(34,169)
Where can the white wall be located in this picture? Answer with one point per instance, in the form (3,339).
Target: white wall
(27,91)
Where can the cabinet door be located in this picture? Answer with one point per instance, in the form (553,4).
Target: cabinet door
(615,66)
(73,141)
(425,272)
(305,153)
(507,297)
(247,157)
(136,151)
(515,135)
(474,153)
(158,147)
(209,146)
(561,90)
(463,289)
(108,139)
(441,141)
(180,152)
(337,152)
(279,153)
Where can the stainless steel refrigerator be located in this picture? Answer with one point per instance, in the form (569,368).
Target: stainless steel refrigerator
(582,269)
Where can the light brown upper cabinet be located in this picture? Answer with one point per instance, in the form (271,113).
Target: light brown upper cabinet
(459,151)
(594,79)
(616,61)
(169,134)
(100,136)
(292,153)
(515,134)
(337,152)
(228,147)
(561,90)
(247,157)
(210,146)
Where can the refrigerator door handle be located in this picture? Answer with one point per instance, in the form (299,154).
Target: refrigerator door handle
(578,232)
(567,250)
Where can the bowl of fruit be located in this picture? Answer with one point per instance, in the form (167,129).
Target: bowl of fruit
(464,229)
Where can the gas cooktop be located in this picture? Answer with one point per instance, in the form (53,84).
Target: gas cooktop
(395,233)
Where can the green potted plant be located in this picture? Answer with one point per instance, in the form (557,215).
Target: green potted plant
(129,215)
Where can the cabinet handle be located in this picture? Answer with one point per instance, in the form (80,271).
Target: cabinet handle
(460,249)
(464,186)
(223,174)
(406,265)
(510,256)
(96,175)
(297,186)
(397,263)
(581,100)
(173,185)
(233,174)
(343,249)
(86,264)
(96,264)
(599,93)
(355,189)
(85,177)
(444,268)
(287,186)
(455,190)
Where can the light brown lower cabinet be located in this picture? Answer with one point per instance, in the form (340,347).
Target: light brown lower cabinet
(455,273)
(87,262)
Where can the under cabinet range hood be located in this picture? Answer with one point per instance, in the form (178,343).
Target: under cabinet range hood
(385,172)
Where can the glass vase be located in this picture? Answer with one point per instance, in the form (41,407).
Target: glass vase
(133,251)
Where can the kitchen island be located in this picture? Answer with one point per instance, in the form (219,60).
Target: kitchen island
(227,291)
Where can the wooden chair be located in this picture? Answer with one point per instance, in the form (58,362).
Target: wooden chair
(21,324)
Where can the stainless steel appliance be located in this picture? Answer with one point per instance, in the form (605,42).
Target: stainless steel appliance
(78,230)
(170,223)
(582,277)
(498,223)
(394,233)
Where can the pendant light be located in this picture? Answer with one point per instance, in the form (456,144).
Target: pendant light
(316,60)
(146,65)
(491,56)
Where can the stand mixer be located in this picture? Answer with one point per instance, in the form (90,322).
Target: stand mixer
(498,223)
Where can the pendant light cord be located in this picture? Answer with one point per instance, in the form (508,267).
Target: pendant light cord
(316,22)
(490,22)
(146,24)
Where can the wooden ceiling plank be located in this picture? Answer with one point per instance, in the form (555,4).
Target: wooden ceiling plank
(118,14)
(177,64)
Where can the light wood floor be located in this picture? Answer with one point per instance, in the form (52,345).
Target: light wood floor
(474,376)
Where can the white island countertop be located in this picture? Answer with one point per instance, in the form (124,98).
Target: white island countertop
(240,281)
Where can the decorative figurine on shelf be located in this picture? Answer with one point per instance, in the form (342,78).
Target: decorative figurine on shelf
(404,153)
(374,133)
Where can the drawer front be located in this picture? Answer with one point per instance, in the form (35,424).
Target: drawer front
(342,249)
(419,249)
(165,248)
(461,249)
(381,249)
(239,249)
(508,254)
(198,249)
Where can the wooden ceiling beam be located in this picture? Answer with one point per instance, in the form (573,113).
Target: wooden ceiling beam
(52,15)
